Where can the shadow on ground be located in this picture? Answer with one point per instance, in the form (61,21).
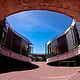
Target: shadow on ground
(17,67)
(56,64)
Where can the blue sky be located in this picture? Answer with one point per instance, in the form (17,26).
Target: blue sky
(39,26)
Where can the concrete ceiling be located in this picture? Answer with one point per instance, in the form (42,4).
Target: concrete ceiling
(67,7)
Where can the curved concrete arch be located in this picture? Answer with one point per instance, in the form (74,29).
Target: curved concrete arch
(67,7)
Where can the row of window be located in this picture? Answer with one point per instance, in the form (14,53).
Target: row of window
(12,41)
(66,42)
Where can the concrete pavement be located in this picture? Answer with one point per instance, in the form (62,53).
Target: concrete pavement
(43,72)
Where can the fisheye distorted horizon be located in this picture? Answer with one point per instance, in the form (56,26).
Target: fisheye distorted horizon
(39,26)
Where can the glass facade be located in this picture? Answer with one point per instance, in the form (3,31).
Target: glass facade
(57,46)
(25,48)
(12,41)
(49,49)
(16,43)
(2,31)
(62,44)
(54,48)
(9,38)
(70,39)
(78,32)
(78,27)
(66,42)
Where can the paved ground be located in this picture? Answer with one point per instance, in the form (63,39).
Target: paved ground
(43,72)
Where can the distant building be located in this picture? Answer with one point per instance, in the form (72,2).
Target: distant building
(38,57)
